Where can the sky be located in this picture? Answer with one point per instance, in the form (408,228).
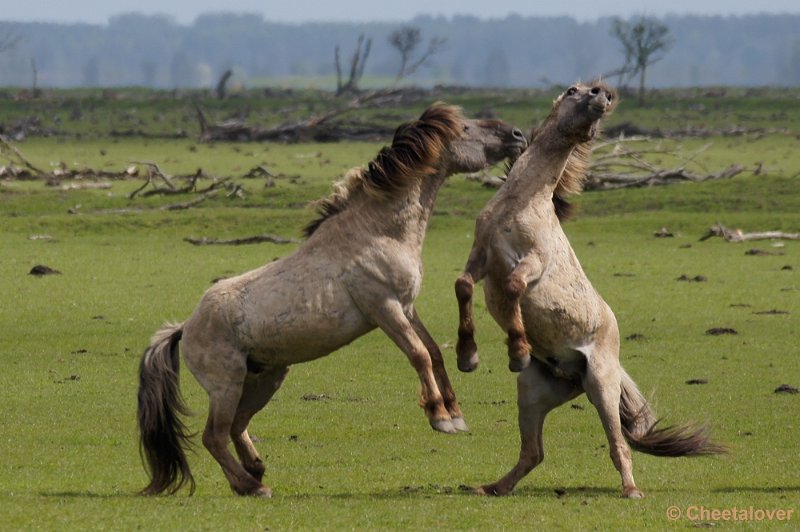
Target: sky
(298,11)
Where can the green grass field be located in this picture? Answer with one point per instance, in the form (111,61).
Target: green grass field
(345,444)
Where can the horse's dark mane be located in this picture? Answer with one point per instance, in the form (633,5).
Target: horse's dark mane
(416,149)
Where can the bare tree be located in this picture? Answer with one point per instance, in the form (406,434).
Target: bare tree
(357,63)
(641,41)
(8,41)
(405,40)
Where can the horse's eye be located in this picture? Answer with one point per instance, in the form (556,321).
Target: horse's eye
(571,91)
(466,128)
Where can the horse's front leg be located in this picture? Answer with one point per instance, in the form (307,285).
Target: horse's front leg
(394,322)
(440,372)
(466,348)
(528,270)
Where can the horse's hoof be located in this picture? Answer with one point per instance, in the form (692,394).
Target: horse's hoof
(490,490)
(263,492)
(468,363)
(518,364)
(443,425)
(459,424)
(632,493)
(467,367)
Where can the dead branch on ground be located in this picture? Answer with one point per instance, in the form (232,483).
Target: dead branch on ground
(6,147)
(626,167)
(308,129)
(258,239)
(154,172)
(737,235)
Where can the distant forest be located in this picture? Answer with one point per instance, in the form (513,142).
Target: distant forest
(154,51)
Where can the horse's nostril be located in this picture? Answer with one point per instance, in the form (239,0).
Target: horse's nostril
(517,134)
(595,91)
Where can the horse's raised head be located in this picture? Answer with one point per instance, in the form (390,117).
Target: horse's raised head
(482,143)
(578,110)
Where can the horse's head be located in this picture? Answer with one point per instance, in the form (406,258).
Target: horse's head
(483,143)
(578,110)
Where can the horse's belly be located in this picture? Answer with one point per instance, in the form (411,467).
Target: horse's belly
(555,316)
(560,323)
(295,335)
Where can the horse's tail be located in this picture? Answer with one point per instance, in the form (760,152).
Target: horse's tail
(639,425)
(162,434)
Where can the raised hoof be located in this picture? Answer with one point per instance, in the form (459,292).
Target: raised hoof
(468,361)
(443,425)
(518,364)
(632,493)
(468,366)
(459,424)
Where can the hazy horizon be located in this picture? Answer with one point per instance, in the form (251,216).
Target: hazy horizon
(299,11)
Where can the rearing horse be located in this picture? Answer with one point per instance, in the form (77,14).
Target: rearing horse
(562,336)
(360,268)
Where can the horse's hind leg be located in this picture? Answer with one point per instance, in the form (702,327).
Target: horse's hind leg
(258,390)
(602,385)
(440,372)
(221,370)
(538,392)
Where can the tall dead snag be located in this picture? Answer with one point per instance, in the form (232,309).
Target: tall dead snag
(641,39)
(357,63)
(221,89)
(405,40)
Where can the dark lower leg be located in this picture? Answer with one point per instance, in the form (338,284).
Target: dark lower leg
(466,348)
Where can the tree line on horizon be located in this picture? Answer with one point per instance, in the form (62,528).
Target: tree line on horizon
(154,51)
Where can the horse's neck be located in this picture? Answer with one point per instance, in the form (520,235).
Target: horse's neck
(534,176)
(405,217)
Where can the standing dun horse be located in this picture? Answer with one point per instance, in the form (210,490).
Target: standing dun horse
(562,336)
(360,268)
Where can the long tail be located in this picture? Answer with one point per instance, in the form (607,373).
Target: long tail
(640,427)
(162,434)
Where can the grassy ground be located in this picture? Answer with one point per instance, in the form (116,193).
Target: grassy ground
(346,446)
